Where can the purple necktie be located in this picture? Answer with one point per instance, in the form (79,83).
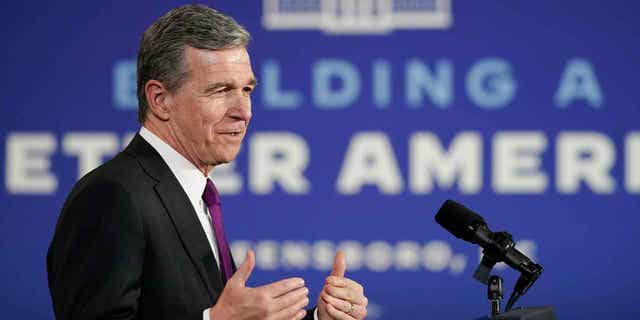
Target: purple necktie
(212,199)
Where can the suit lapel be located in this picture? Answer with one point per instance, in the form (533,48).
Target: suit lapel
(190,231)
(181,213)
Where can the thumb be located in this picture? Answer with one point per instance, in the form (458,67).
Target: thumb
(244,271)
(339,264)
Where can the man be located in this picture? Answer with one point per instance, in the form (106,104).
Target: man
(141,236)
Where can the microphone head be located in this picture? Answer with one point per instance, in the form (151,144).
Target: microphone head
(459,220)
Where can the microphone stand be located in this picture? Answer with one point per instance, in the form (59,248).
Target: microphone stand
(529,274)
(494,293)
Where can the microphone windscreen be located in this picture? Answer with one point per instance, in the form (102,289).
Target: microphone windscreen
(458,219)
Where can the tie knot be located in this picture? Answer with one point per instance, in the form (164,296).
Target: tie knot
(210,195)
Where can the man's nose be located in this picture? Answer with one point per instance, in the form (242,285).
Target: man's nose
(241,109)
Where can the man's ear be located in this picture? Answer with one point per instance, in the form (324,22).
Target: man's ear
(158,99)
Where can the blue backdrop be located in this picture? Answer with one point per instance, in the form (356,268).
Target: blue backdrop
(366,118)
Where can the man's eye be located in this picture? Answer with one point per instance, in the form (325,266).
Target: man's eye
(248,89)
(221,91)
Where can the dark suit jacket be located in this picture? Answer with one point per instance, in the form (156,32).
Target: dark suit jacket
(128,245)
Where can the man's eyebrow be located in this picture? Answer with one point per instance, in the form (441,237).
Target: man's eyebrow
(217,85)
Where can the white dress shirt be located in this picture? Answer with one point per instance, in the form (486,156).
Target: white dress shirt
(192,182)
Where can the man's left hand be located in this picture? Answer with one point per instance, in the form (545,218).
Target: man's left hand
(341,298)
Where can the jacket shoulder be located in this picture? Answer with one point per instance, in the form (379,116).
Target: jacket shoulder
(123,170)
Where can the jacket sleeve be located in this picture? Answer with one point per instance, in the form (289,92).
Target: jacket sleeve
(312,314)
(95,259)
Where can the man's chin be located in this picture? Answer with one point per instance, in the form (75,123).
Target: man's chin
(223,158)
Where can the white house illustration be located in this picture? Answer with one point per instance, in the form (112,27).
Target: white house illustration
(356,16)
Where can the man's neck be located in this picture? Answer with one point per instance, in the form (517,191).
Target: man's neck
(170,139)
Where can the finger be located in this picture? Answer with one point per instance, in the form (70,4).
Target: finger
(244,271)
(281,287)
(291,298)
(342,305)
(358,311)
(344,282)
(347,294)
(337,314)
(292,311)
(339,264)
(300,315)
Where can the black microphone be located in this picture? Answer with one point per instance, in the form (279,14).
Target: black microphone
(498,246)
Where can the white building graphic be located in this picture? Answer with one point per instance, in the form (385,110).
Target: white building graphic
(356,16)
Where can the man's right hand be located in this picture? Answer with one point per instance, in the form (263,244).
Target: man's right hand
(284,299)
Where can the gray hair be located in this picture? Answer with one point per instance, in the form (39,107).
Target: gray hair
(161,52)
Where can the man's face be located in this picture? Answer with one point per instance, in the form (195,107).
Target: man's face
(210,112)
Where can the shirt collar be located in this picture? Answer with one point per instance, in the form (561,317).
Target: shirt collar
(190,178)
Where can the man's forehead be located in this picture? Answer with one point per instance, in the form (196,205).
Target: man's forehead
(214,67)
(217,57)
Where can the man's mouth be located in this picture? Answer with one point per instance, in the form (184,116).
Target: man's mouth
(232,133)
